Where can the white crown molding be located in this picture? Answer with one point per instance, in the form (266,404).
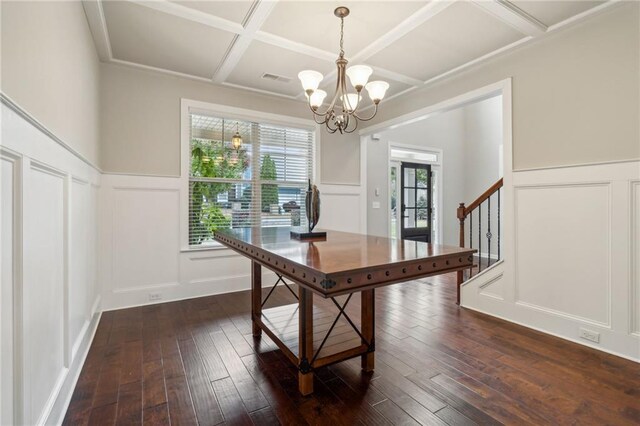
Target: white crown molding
(264,92)
(98,27)
(502,9)
(239,46)
(478,60)
(392,75)
(514,16)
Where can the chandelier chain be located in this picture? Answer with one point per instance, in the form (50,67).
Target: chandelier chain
(341,37)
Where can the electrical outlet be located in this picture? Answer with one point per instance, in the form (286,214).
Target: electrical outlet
(589,335)
(155,296)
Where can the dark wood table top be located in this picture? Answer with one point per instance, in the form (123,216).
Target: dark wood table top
(362,261)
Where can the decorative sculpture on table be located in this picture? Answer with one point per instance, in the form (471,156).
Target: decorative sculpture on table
(312,207)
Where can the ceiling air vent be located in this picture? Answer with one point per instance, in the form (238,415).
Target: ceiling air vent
(275,77)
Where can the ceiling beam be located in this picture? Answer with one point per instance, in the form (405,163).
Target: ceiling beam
(98,27)
(392,75)
(416,19)
(190,14)
(254,22)
(513,16)
(294,46)
(403,28)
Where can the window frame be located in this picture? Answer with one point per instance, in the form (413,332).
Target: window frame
(188,106)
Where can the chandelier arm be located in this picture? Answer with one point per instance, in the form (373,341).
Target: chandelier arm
(324,121)
(375,111)
(331,129)
(319,114)
(355,120)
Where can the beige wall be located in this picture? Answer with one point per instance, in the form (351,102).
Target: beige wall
(340,158)
(140,127)
(51,70)
(575,92)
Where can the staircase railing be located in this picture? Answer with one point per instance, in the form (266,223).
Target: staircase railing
(475,209)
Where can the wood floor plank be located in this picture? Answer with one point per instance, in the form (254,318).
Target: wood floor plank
(233,410)
(204,401)
(181,411)
(265,417)
(153,388)
(156,415)
(251,395)
(129,410)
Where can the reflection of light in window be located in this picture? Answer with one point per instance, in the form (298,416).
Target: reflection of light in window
(414,155)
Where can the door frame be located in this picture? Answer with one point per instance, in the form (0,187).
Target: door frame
(504,88)
(429,187)
(437,167)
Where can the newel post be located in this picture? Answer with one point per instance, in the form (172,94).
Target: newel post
(461,217)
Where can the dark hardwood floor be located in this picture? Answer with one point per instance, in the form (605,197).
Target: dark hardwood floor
(195,362)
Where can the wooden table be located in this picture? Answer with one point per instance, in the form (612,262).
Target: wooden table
(341,264)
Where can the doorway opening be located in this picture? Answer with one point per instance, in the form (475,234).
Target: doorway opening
(437,158)
(415,193)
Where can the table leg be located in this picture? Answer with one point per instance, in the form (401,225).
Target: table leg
(305,340)
(256,297)
(367,320)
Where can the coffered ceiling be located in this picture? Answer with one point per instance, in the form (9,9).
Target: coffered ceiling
(261,45)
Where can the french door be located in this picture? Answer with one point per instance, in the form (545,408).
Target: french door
(416,201)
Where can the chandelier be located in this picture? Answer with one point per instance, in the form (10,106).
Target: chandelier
(342,113)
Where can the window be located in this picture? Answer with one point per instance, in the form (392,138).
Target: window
(263,183)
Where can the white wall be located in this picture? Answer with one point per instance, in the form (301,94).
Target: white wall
(469,138)
(482,156)
(140,247)
(481,150)
(446,132)
(50,68)
(571,257)
(49,299)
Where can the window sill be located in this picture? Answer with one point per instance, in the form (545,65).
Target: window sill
(207,248)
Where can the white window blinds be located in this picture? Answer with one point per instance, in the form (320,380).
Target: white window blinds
(236,188)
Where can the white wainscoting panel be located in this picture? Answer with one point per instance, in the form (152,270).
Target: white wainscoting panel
(341,208)
(79,275)
(571,259)
(44,334)
(141,257)
(564,231)
(145,237)
(48,298)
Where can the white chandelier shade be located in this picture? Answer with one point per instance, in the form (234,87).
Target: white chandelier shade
(342,112)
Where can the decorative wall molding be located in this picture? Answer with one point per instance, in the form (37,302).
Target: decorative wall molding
(486,290)
(13,106)
(573,246)
(199,272)
(601,233)
(52,183)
